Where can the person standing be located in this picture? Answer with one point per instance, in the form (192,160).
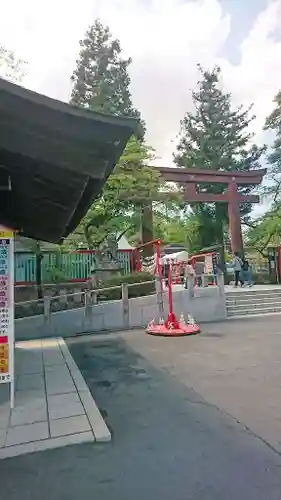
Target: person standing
(246,272)
(188,271)
(237,264)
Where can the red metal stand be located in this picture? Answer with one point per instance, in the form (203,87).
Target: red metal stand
(136,251)
(171,320)
(172,328)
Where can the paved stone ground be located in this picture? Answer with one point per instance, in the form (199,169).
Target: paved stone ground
(53,406)
(169,441)
(234,365)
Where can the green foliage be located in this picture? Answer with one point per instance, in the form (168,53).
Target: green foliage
(11,68)
(132,183)
(265,231)
(263,278)
(57,272)
(134,291)
(101,80)
(273,186)
(273,121)
(56,275)
(216,136)
(177,228)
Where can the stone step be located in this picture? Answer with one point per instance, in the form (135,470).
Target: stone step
(255,315)
(253,292)
(256,310)
(253,306)
(253,300)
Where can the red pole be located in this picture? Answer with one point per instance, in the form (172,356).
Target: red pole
(193,263)
(172,320)
(132,261)
(170,294)
(279,264)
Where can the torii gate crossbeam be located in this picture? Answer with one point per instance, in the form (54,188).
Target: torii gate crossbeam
(191,178)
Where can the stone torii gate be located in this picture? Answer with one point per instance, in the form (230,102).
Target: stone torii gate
(189,179)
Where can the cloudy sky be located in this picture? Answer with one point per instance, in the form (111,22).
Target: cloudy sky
(165,38)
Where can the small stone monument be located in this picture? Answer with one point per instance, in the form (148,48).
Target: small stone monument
(106,264)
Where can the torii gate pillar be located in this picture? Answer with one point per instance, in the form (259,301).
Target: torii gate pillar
(234,219)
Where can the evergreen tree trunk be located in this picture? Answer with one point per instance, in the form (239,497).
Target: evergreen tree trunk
(220,239)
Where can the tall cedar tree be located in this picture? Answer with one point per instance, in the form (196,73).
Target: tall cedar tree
(216,136)
(101,80)
(273,123)
(101,83)
(267,230)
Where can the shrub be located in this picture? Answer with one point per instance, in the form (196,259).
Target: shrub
(56,275)
(263,278)
(134,291)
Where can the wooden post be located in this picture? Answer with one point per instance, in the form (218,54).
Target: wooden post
(125,304)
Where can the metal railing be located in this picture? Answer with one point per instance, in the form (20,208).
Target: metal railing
(88,298)
(91,297)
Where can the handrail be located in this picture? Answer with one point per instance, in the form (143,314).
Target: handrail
(29,302)
(84,292)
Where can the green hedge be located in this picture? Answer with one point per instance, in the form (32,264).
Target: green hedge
(263,278)
(134,291)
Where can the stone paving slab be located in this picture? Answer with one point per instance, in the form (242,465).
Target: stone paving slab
(65,405)
(27,433)
(70,425)
(53,405)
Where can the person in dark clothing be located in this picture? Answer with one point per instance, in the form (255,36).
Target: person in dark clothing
(246,272)
(237,267)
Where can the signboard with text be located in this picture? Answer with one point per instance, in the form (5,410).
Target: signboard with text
(208,264)
(7,307)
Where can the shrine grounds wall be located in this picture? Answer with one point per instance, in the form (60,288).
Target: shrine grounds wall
(206,305)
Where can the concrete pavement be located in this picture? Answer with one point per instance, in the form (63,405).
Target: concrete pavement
(53,405)
(234,365)
(169,441)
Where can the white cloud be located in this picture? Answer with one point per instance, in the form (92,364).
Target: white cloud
(165,39)
(258,76)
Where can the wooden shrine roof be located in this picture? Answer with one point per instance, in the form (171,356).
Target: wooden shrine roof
(56,159)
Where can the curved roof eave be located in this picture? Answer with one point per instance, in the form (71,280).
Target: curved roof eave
(58,158)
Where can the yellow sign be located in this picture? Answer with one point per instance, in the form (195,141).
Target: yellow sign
(5,234)
(4,351)
(4,365)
